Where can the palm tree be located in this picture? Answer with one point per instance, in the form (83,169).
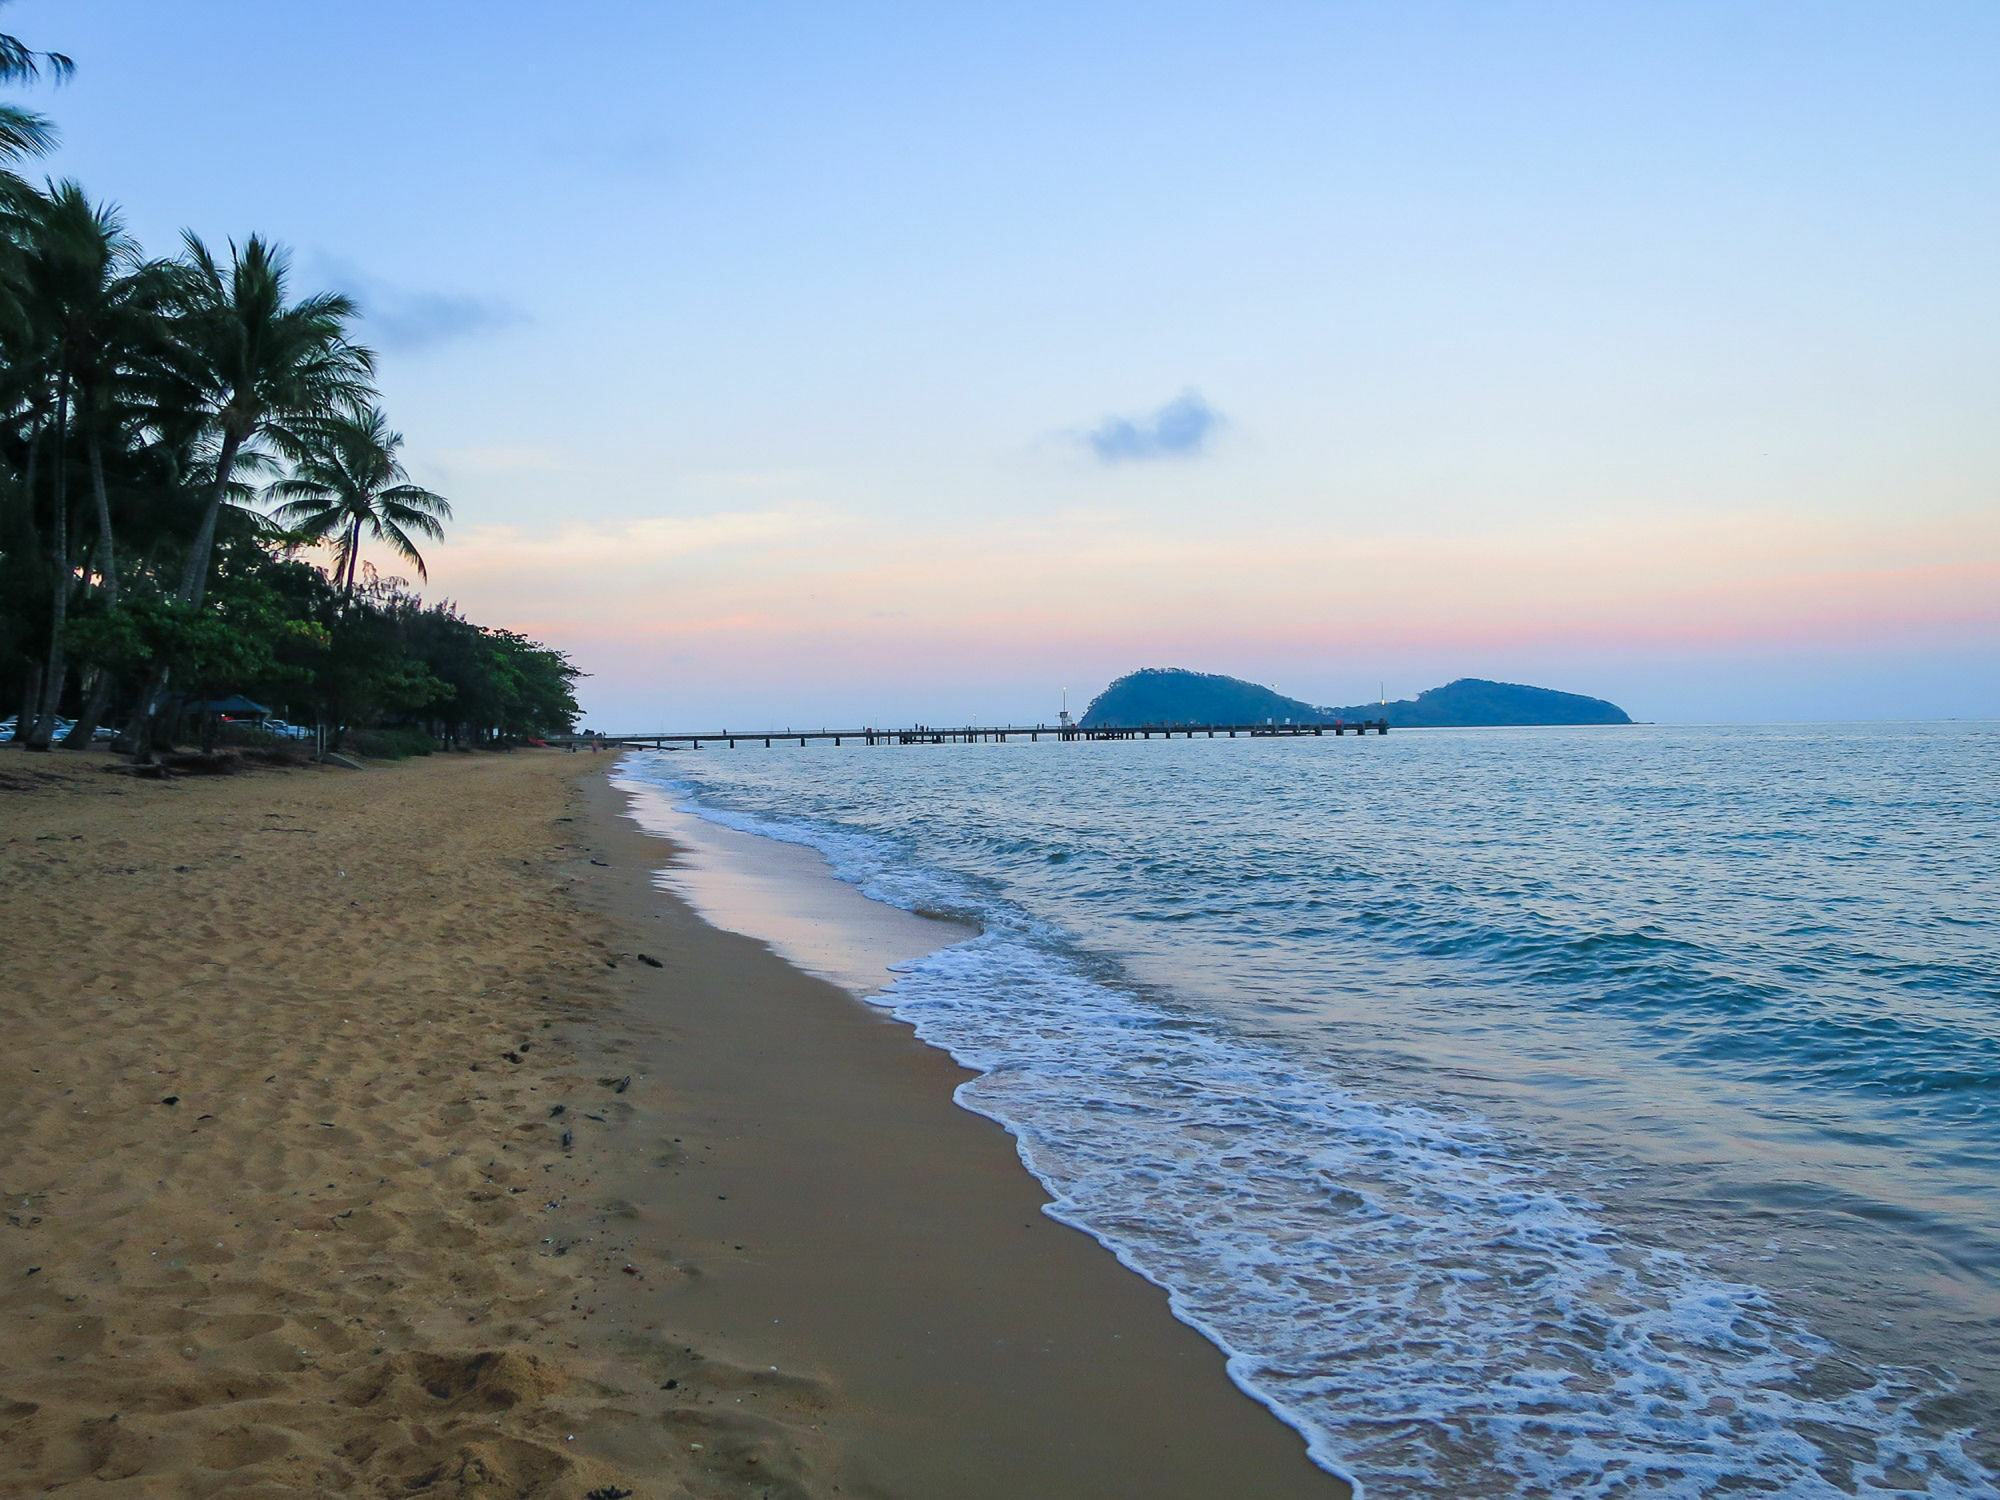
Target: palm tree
(22,132)
(264,368)
(260,369)
(347,477)
(117,367)
(93,309)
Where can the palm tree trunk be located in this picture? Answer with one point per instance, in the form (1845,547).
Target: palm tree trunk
(353,554)
(107,550)
(194,583)
(194,573)
(56,673)
(31,690)
(28,477)
(107,570)
(92,715)
(31,694)
(138,735)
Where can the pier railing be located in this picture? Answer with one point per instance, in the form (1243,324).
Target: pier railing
(967,734)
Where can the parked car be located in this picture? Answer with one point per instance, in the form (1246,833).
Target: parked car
(266,725)
(103,734)
(11,725)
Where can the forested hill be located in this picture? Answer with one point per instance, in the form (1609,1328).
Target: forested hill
(1169,695)
(1475,701)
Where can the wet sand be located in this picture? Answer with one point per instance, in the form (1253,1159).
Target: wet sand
(357,1254)
(785,896)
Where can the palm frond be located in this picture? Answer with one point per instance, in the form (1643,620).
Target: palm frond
(346,479)
(417,502)
(20,63)
(400,541)
(24,133)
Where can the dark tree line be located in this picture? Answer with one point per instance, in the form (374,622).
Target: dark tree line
(177,435)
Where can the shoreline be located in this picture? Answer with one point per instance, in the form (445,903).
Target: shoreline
(355,1146)
(790,896)
(894,1243)
(783,895)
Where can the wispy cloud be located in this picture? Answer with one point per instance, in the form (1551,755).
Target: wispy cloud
(621,557)
(1180,429)
(395,317)
(499,458)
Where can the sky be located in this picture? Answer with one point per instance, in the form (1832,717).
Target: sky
(802,364)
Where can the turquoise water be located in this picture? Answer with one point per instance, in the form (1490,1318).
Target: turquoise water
(1526,1112)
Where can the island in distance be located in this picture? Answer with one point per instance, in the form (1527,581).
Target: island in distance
(1171,695)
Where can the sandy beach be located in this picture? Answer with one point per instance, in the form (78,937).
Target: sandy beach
(390,1132)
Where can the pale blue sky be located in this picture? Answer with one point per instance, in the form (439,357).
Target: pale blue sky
(1646,351)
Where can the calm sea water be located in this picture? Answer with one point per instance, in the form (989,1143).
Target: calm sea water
(1527,1112)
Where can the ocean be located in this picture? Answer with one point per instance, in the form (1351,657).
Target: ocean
(1547,1112)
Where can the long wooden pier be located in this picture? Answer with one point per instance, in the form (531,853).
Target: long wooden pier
(968,734)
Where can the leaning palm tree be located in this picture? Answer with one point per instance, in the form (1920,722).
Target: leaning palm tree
(261,370)
(345,479)
(264,368)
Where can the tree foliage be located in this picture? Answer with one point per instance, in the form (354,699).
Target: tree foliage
(176,436)
(22,131)
(347,478)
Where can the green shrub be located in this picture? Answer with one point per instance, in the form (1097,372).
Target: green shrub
(390,744)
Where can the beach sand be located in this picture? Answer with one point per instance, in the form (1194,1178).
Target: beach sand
(351,1147)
